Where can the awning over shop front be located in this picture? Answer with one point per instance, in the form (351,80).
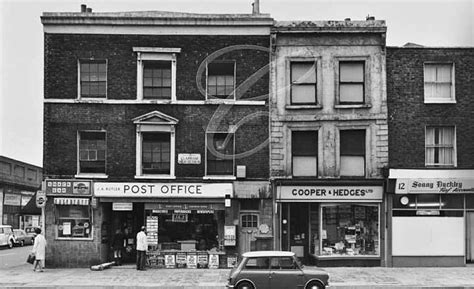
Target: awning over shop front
(71,201)
(426,181)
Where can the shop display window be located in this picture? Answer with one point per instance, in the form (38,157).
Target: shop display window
(73,221)
(186,229)
(350,230)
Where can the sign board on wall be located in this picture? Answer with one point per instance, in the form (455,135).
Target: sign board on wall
(189,159)
(330,193)
(68,187)
(12,199)
(163,190)
(434,186)
(122,206)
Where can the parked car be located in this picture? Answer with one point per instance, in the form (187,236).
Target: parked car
(275,269)
(6,236)
(21,238)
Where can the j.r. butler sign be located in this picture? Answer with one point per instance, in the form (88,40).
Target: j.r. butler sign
(163,190)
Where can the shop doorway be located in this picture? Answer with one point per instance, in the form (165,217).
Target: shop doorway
(296,228)
(129,223)
(470,237)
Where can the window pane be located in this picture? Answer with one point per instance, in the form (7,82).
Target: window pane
(428,201)
(452,201)
(352,166)
(304,143)
(351,93)
(92,152)
(430,73)
(443,73)
(303,94)
(351,71)
(305,166)
(442,91)
(224,68)
(303,72)
(350,230)
(352,142)
(73,221)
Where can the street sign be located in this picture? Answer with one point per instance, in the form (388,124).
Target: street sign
(40,199)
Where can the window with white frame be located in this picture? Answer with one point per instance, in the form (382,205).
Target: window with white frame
(156,73)
(221,80)
(249,220)
(92,78)
(220,154)
(351,82)
(157,80)
(440,146)
(303,83)
(352,153)
(155,157)
(439,82)
(156,152)
(92,150)
(304,152)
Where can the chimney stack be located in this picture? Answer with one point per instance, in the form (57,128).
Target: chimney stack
(89,10)
(83,8)
(370,18)
(347,19)
(256,7)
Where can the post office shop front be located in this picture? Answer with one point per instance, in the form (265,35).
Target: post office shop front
(329,224)
(181,218)
(431,217)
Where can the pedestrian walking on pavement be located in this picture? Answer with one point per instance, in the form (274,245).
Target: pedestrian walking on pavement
(39,250)
(118,245)
(142,248)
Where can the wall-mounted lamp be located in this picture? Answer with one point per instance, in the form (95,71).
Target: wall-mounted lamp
(227,201)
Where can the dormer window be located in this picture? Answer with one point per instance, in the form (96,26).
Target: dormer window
(155,152)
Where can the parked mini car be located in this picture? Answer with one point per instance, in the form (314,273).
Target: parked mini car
(21,238)
(275,269)
(6,236)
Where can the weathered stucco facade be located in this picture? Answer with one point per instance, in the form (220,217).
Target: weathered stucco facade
(327,45)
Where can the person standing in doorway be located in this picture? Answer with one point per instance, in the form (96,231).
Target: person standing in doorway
(142,248)
(118,244)
(39,249)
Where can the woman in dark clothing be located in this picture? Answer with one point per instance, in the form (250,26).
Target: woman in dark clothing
(118,243)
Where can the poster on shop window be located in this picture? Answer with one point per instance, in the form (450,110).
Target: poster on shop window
(230,236)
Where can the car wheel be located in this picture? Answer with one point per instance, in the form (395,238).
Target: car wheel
(22,243)
(10,244)
(314,285)
(245,285)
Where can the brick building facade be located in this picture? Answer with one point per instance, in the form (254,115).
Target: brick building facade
(156,119)
(431,178)
(329,140)
(19,182)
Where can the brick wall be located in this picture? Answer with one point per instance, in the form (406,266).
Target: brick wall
(62,52)
(62,121)
(409,115)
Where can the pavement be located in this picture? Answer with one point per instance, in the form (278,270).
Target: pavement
(128,277)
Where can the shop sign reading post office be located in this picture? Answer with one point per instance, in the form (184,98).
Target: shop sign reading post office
(163,190)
